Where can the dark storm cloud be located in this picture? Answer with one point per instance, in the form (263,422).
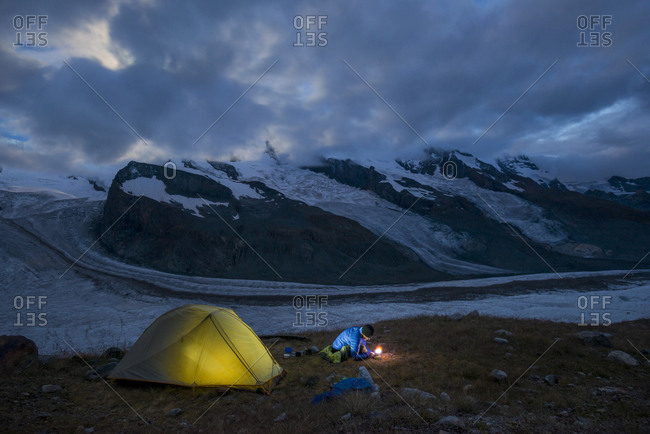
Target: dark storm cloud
(450,69)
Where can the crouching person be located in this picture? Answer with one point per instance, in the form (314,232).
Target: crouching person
(352,342)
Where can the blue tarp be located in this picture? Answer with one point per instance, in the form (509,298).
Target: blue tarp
(343,386)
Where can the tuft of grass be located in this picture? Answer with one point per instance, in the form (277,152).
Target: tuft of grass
(357,403)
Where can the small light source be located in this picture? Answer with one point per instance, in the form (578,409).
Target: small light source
(378,350)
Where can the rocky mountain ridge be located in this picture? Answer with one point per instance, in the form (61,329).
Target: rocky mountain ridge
(446,215)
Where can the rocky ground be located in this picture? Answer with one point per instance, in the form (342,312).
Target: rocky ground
(439,374)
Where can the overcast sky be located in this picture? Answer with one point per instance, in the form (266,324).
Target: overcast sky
(170,69)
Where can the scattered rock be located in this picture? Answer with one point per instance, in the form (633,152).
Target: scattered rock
(451,421)
(363,373)
(502,332)
(499,375)
(595,338)
(281,418)
(345,417)
(612,389)
(549,405)
(467,388)
(89,429)
(473,314)
(623,357)
(501,340)
(113,353)
(375,395)
(376,414)
(17,354)
(49,388)
(551,380)
(411,392)
(563,413)
(174,412)
(445,397)
(455,316)
(102,371)
(315,349)
(333,378)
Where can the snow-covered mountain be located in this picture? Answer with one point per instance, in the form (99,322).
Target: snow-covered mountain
(445,215)
(50,226)
(63,187)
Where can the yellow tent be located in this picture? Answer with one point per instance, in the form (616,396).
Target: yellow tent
(200,345)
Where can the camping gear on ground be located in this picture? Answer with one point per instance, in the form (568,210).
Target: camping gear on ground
(333,356)
(200,345)
(345,385)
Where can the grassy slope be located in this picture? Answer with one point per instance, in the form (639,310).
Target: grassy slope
(430,353)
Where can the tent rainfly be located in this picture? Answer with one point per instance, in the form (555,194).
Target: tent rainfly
(200,345)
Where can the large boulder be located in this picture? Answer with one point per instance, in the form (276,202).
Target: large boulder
(623,357)
(17,354)
(102,371)
(410,392)
(595,338)
(499,375)
(113,353)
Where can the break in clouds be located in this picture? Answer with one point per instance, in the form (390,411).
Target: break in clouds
(324,77)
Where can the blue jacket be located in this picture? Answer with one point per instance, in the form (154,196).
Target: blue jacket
(353,338)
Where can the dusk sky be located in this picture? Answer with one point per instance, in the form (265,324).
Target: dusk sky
(576,99)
